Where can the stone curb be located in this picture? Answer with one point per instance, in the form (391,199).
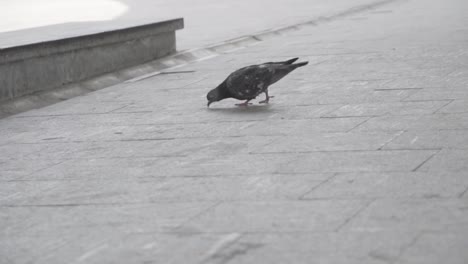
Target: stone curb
(53,64)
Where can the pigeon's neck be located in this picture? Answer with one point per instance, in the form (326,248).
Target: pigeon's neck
(223,91)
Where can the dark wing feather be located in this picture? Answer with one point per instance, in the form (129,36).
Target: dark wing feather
(288,62)
(248,82)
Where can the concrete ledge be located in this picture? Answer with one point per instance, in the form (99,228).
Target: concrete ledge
(50,65)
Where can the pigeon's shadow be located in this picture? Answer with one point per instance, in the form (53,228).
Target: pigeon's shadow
(242,109)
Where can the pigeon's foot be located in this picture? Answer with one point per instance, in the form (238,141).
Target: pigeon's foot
(266,100)
(246,103)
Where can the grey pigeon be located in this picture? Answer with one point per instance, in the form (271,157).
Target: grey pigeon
(248,82)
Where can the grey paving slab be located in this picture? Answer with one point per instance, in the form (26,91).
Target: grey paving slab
(388,123)
(411,214)
(54,247)
(456,106)
(397,108)
(430,139)
(304,126)
(435,247)
(442,121)
(447,160)
(76,218)
(119,190)
(161,147)
(341,247)
(392,185)
(329,142)
(421,83)
(147,248)
(282,216)
(99,169)
(439,93)
(348,96)
(14,169)
(15,190)
(358,161)
(162,166)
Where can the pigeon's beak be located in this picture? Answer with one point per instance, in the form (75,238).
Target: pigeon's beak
(209,102)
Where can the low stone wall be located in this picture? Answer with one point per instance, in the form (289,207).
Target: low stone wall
(49,65)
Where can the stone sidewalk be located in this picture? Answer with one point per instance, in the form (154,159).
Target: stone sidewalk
(360,158)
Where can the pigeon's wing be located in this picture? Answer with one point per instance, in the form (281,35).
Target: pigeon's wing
(288,62)
(248,82)
(281,70)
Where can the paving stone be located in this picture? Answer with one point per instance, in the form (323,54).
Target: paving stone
(430,139)
(358,161)
(442,121)
(456,106)
(281,216)
(98,169)
(329,142)
(411,214)
(388,123)
(365,97)
(447,160)
(150,190)
(397,108)
(436,247)
(392,185)
(341,247)
(20,191)
(304,126)
(168,248)
(439,94)
(126,218)
(16,169)
(54,247)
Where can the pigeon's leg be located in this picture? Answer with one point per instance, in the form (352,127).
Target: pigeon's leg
(246,103)
(267,98)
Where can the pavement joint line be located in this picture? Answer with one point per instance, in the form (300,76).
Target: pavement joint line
(48,167)
(201,176)
(215,252)
(110,204)
(463,193)
(359,124)
(127,157)
(334,151)
(136,139)
(442,107)
(302,196)
(396,89)
(103,245)
(406,247)
(42,99)
(337,106)
(398,134)
(176,232)
(339,117)
(216,202)
(190,219)
(425,161)
(349,219)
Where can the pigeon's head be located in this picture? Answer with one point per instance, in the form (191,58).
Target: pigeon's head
(213,96)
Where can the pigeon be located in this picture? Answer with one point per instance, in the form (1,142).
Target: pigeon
(249,82)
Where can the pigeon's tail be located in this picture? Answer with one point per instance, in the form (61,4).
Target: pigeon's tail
(300,64)
(291,61)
